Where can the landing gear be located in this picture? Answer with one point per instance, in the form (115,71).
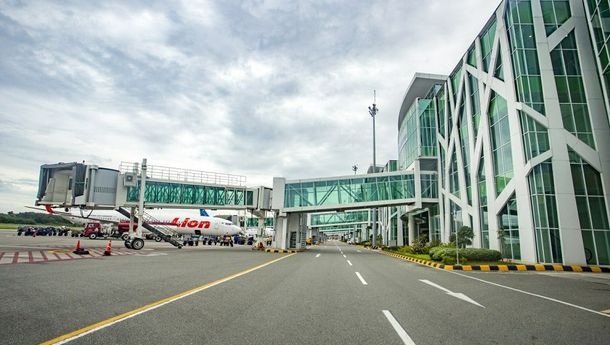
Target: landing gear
(158,239)
(127,243)
(137,243)
(125,237)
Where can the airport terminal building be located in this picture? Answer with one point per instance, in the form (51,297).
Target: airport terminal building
(518,135)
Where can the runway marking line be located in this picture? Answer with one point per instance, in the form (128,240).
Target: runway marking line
(349,262)
(532,294)
(317,256)
(361,279)
(406,339)
(151,306)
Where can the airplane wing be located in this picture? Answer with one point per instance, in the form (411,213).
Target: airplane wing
(49,210)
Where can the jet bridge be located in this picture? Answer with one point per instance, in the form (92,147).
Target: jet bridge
(93,187)
(141,186)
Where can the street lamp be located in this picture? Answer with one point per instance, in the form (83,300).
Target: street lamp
(457,244)
(373,112)
(354,169)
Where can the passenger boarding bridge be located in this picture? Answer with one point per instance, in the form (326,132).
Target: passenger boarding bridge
(139,186)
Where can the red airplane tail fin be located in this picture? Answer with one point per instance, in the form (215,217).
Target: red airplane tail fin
(49,209)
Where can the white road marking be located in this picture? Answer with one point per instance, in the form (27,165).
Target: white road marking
(344,256)
(317,256)
(361,279)
(349,262)
(358,250)
(450,293)
(531,294)
(406,339)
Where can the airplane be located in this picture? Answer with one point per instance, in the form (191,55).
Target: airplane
(204,225)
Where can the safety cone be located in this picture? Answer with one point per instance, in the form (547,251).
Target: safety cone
(108,250)
(80,251)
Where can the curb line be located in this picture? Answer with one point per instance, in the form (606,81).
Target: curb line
(502,268)
(274,250)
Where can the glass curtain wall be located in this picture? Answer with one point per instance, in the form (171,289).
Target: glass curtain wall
(544,211)
(599,12)
(508,221)
(522,41)
(592,211)
(571,90)
(500,142)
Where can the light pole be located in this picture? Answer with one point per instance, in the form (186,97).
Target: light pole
(457,244)
(354,169)
(373,112)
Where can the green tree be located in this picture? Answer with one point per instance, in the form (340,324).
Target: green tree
(465,236)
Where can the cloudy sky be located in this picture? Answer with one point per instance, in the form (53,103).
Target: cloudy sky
(259,88)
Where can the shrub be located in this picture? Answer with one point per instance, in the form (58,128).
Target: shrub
(419,245)
(405,250)
(451,260)
(471,254)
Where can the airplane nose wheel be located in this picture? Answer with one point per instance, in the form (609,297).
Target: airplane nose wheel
(127,244)
(137,243)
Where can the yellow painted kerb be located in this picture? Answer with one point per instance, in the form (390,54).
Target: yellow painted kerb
(154,304)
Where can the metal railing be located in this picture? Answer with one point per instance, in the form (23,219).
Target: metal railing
(184,175)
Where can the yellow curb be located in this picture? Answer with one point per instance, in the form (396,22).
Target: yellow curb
(485,268)
(521,268)
(467,268)
(449,267)
(576,268)
(539,267)
(596,269)
(503,268)
(558,267)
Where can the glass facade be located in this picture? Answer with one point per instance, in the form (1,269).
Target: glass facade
(571,90)
(463,130)
(592,211)
(500,141)
(349,191)
(417,134)
(429,186)
(456,78)
(253,222)
(554,13)
(171,193)
(483,213)
(475,105)
(487,41)
(427,128)
(454,179)
(544,211)
(321,219)
(599,15)
(441,101)
(508,221)
(535,137)
(455,212)
(471,58)
(408,138)
(499,72)
(522,41)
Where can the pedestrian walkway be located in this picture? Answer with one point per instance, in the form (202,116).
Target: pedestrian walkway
(59,254)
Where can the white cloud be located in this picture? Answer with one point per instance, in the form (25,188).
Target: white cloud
(257,88)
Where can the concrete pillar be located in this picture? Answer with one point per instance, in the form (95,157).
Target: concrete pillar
(411,227)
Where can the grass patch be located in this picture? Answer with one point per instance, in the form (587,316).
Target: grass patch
(471,263)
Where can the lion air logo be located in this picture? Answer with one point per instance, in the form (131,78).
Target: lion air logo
(188,223)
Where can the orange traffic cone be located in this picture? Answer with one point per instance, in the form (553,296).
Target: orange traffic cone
(108,250)
(80,251)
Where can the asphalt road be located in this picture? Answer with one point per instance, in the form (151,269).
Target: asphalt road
(315,297)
